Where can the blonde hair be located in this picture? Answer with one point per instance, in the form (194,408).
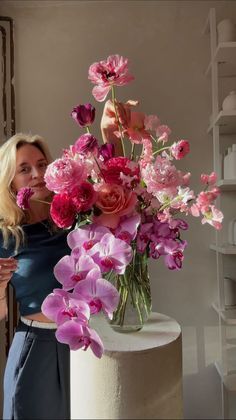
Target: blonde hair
(11,216)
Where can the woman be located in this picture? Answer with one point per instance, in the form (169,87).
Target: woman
(36,381)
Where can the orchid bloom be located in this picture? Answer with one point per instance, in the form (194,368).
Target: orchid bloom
(86,236)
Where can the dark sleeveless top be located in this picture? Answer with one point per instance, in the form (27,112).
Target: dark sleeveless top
(34,279)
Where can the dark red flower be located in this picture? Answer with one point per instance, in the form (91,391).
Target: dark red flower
(83,196)
(115,167)
(83,114)
(62,210)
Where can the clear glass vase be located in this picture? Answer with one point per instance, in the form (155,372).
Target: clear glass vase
(135,296)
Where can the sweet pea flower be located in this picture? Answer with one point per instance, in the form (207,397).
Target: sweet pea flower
(69,271)
(99,294)
(111,253)
(163,132)
(78,336)
(86,143)
(151,122)
(209,179)
(180,149)
(64,174)
(23,197)
(214,217)
(83,115)
(107,73)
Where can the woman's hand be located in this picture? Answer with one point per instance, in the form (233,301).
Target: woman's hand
(109,123)
(7,268)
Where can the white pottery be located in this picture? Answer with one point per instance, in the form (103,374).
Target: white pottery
(226,31)
(229,103)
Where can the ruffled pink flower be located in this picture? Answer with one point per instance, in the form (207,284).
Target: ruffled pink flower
(86,143)
(83,196)
(180,149)
(64,174)
(109,72)
(163,132)
(62,210)
(151,122)
(23,197)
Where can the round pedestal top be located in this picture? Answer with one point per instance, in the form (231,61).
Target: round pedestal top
(158,331)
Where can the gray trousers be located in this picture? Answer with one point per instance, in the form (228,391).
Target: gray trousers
(36,380)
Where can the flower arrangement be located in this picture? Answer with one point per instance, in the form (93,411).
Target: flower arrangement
(124,209)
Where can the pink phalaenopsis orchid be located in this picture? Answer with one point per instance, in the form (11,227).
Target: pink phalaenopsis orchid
(78,336)
(111,253)
(86,237)
(99,294)
(107,73)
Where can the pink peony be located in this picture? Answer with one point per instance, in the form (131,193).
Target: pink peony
(104,74)
(62,210)
(23,197)
(115,167)
(63,174)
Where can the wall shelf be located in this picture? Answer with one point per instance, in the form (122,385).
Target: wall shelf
(226,249)
(228,315)
(226,120)
(227,184)
(225,56)
(229,380)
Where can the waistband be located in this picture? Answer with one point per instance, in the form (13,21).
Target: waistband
(38,324)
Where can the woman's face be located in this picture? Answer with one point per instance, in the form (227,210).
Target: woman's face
(31,165)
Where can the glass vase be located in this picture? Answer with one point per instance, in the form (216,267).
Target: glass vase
(135,296)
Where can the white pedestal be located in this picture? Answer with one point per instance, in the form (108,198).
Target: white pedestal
(138,377)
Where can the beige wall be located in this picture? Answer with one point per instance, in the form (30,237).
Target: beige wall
(55,44)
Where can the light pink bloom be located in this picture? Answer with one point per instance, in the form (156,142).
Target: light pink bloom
(78,336)
(23,197)
(163,132)
(64,174)
(151,122)
(104,74)
(214,217)
(99,294)
(111,254)
(180,149)
(209,179)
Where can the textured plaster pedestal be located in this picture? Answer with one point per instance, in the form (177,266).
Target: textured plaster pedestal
(138,377)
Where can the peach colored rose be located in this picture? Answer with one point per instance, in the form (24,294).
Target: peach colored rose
(114,202)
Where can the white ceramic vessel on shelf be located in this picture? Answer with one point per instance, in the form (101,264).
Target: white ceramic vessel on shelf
(229,103)
(226,31)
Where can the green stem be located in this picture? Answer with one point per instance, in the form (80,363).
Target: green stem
(161,150)
(88,129)
(132,151)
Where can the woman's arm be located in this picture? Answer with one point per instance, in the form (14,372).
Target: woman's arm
(7,268)
(109,123)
